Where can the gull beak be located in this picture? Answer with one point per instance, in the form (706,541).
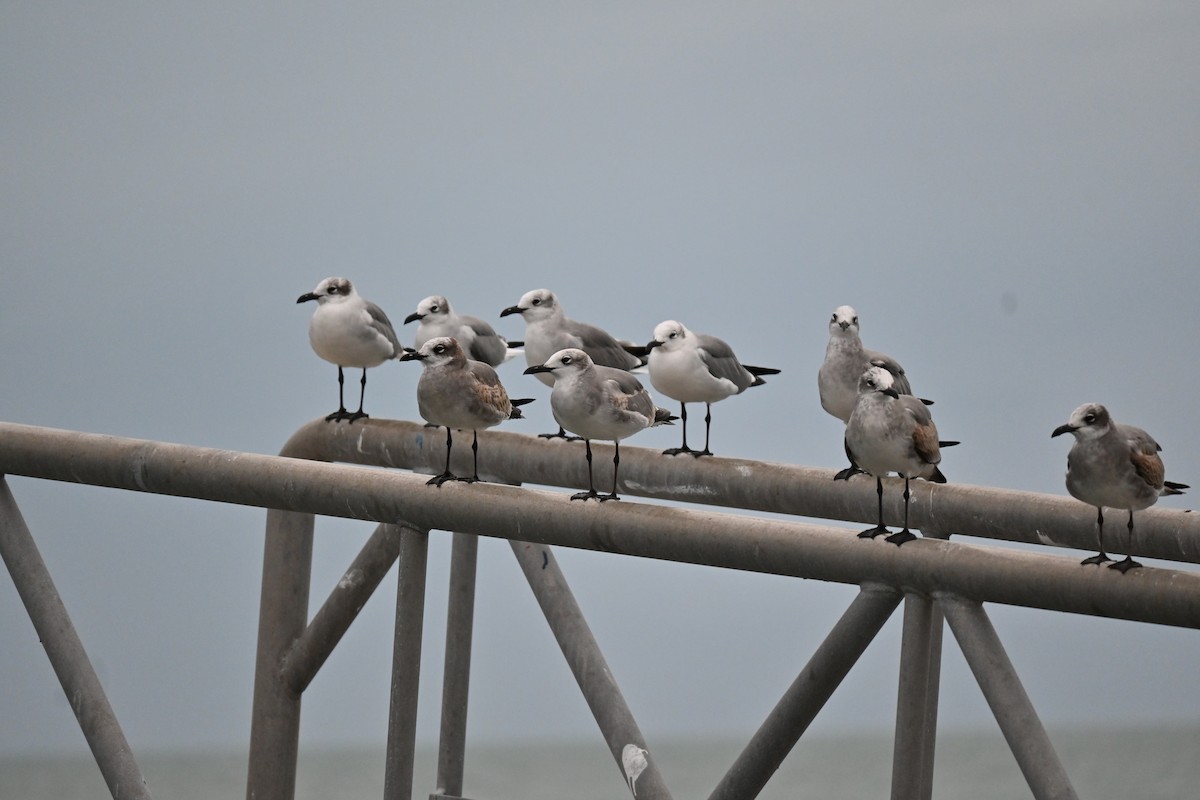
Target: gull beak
(892,393)
(511,310)
(1061,429)
(538,368)
(304,298)
(411,355)
(413,317)
(654,344)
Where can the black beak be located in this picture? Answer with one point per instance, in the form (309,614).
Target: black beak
(890,392)
(654,344)
(413,317)
(304,298)
(539,368)
(511,310)
(1061,429)
(411,355)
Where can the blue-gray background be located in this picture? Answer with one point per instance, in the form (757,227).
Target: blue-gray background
(1009,196)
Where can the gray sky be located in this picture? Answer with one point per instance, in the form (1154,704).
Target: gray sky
(1008,196)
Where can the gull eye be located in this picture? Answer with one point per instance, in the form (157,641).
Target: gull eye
(439,349)
(854,321)
(1089,418)
(566,359)
(537,301)
(433,309)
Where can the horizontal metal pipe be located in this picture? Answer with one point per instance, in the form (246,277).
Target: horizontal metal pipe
(1036,580)
(937,509)
(331,622)
(67,655)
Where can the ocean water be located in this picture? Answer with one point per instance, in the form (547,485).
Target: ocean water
(1137,763)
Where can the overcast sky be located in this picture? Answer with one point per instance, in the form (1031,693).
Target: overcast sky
(1008,195)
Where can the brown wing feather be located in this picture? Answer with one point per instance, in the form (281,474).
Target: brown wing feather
(1149,467)
(925,442)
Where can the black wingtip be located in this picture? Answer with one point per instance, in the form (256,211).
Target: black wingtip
(948,444)
(757,371)
(522,401)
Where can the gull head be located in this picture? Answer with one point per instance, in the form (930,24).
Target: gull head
(844,321)
(330,290)
(669,335)
(436,352)
(570,361)
(1089,421)
(535,305)
(433,306)
(877,379)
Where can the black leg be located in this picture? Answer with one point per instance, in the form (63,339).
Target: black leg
(341,413)
(871,533)
(674,451)
(616,463)
(1128,563)
(845,475)
(707,429)
(562,434)
(1100,557)
(591,492)
(438,480)
(475,458)
(905,535)
(362,392)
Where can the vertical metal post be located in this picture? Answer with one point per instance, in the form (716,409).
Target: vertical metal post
(283,612)
(67,656)
(917,699)
(583,654)
(1007,699)
(406,664)
(460,616)
(806,696)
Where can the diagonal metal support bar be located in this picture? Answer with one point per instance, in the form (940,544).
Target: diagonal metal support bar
(1007,698)
(341,608)
(456,680)
(406,665)
(591,671)
(917,699)
(67,655)
(808,694)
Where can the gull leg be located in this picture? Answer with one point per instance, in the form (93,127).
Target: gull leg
(616,463)
(1128,563)
(1100,557)
(845,474)
(438,480)
(674,451)
(905,535)
(591,492)
(362,392)
(341,413)
(871,533)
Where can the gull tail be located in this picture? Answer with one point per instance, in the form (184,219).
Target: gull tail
(937,476)
(516,404)
(758,372)
(663,417)
(1170,487)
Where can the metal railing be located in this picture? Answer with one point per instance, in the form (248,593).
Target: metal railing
(933,577)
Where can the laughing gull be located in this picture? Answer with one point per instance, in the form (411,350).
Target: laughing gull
(478,339)
(457,392)
(697,368)
(1113,465)
(349,331)
(892,432)
(598,402)
(845,360)
(548,330)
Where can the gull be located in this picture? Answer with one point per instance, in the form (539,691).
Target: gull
(892,432)
(548,330)
(478,339)
(845,360)
(457,392)
(1113,465)
(633,759)
(598,402)
(349,331)
(697,368)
